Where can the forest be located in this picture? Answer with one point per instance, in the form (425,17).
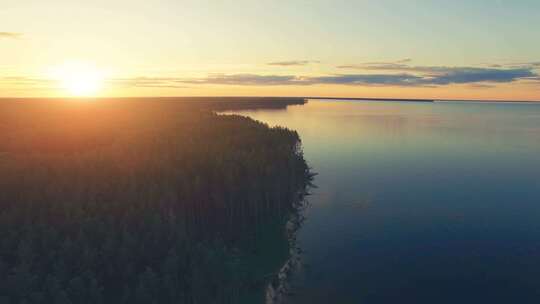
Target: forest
(144,201)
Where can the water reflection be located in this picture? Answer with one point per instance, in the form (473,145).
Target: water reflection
(418,202)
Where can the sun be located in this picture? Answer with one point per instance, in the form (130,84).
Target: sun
(79,79)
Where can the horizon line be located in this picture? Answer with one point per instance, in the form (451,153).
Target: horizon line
(263,96)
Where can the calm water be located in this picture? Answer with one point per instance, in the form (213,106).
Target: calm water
(418,202)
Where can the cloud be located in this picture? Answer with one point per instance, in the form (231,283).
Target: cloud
(391,65)
(404,66)
(533,80)
(437,76)
(26,82)
(481,86)
(397,62)
(475,75)
(368,79)
(404,60)
(10,35)
(522,64)
(275,80)
(216,79)
(444,75)
(394,74)
(148,82)
(534,64)
(383,66)
(292,63)
(247,79)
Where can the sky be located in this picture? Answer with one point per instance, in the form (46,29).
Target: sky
(386,49)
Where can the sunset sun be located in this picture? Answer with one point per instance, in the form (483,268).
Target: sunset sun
(79,79)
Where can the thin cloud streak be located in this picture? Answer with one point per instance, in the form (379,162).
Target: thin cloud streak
(534,64)
(368,79)
(10,35)
(391,65)
(292,63)
(404,66)
(26,82)
(148,82)
(247,79)
(401,61)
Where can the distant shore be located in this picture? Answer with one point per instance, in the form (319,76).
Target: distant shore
(489,101)
(214,103)
(224,103)
(374,99)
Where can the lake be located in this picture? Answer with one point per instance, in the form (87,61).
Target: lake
(418,202)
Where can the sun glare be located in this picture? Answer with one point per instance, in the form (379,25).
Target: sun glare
(79,79)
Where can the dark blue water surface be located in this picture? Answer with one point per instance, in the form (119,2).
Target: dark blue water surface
(418,202)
